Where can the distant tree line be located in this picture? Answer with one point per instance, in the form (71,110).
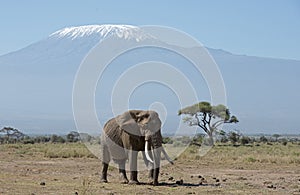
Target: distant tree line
(237,138)
(232,138)
(9,135)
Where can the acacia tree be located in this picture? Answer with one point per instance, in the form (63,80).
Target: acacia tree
(73,136)
(11,134)
(207,117)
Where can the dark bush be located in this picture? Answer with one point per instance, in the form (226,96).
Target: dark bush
(284,141)
(263,139)
(167,140)
(245,140)
(233,137)
(57,139)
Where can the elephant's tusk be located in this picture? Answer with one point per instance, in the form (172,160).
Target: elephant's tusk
(146,152)
(167,156)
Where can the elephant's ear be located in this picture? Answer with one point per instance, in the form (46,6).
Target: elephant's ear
(127,122)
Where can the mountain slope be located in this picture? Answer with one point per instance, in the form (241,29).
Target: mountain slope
(36,83)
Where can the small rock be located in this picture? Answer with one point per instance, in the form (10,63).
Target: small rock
(214,178)
(217,180)
(171,178)
(199,176)
(43,183)
(179,182)
(270,186)
(76,193)
(267,182)
(242,178)
(191,193)
(192,176)
(224,180)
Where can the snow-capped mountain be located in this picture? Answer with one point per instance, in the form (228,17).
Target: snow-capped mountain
(101,32)
(36,82)
(65,48)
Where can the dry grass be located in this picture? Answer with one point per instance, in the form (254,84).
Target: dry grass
(248,155)
(67,150)
(225,169)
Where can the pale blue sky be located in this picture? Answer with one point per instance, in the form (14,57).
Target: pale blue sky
(268,28)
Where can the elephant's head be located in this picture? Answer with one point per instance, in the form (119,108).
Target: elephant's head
(142,123)
(150,125)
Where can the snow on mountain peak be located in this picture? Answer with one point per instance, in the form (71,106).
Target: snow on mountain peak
(122,31)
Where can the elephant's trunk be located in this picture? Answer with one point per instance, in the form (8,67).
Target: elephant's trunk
(156,139)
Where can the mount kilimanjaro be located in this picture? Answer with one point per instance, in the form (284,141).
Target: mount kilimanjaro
(36,83)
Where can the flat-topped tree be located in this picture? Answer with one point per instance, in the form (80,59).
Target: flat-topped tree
(207,117)
(11,134)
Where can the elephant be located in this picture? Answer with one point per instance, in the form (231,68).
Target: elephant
(127,134)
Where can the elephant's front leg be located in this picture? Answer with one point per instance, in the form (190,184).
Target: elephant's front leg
(133,167)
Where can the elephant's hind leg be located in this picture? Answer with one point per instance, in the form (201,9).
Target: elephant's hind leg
(122,171)
(104,172)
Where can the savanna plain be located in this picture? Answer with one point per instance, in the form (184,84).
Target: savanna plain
(70,168)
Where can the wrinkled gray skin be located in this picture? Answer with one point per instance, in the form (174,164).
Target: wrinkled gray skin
(124,136)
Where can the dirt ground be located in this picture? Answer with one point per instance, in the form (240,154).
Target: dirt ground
(22,173)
